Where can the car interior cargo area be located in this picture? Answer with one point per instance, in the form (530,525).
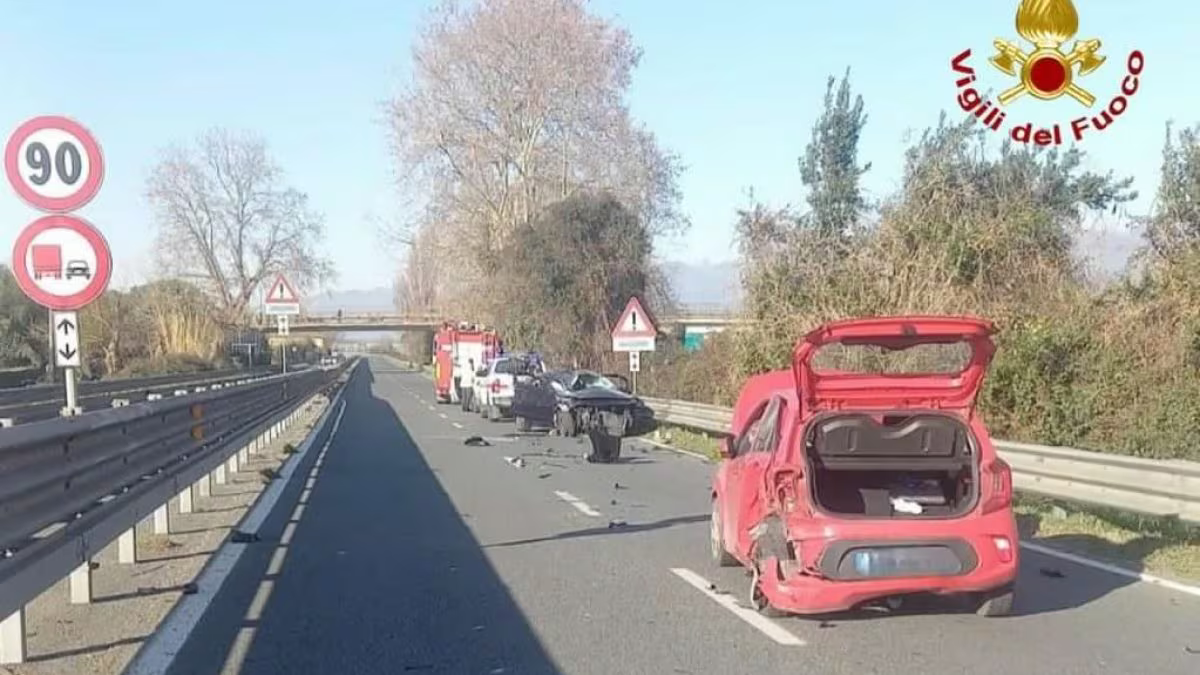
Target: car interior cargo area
(892,465)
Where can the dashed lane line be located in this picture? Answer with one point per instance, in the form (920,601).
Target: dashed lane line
(578,503)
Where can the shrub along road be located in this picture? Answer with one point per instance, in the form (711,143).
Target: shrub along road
(417,553)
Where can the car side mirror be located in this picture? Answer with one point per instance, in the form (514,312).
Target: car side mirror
(725,448)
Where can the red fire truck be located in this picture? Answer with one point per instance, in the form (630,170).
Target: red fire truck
(456,346)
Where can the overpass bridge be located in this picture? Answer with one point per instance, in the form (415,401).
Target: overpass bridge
(695,318)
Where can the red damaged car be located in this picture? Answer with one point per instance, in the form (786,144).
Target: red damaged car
(840,489)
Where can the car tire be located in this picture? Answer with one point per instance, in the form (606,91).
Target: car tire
(759,601)
(522,423)
(720,554)
(997,604)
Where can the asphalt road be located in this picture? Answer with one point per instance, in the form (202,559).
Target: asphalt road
(418,554)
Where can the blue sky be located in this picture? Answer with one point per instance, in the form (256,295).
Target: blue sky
(732,87)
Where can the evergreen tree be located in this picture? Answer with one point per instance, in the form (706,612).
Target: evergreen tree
(829,167)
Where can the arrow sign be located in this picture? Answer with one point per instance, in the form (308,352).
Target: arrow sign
(66,339)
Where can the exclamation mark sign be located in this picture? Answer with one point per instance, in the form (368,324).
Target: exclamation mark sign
(633,319)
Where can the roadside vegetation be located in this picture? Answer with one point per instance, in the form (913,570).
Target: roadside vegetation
(1108,364)
(540,198)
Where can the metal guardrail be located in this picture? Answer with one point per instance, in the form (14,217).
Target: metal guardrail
(70,486)
(1152,487)
(43,401)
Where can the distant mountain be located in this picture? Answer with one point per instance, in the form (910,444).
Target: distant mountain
(718,283)
(372,300)
(705,283)
(1108,249)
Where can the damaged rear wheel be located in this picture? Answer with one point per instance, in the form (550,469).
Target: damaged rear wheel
(720,554)
(759,601)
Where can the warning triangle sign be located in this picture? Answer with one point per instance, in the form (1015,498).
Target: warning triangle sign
(281,293)
(634,321)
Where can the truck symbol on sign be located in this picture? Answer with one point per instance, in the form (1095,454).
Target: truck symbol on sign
(47,261)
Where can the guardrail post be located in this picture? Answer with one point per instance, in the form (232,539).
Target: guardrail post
(185,500)
(162,520)
(127,547)
(232,463)
(219,475)
(244,455)
(12,638)
(81,584)
(204,485)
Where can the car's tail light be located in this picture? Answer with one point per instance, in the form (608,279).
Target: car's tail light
(996,480)
(495,386)
(1004,550)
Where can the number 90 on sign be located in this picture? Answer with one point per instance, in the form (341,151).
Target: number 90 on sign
(54,164)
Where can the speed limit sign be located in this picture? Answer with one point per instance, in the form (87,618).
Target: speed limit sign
(54,164)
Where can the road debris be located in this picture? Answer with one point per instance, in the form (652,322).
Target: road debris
(240,537)
(476,441)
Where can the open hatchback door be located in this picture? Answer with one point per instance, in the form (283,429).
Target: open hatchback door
(953,384)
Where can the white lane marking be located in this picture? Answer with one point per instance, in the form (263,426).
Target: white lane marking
(1113,569)
(758,621)
(443,416)
(456,425)
(158,653)
(578,503)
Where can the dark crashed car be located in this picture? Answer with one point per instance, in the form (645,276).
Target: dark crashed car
(574,402)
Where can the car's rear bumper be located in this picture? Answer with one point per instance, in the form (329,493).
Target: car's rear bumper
(803,593)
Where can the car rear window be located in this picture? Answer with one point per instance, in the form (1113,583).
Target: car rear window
(921,359)
(509,367)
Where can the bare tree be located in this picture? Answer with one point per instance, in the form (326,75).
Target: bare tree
(227,221)
(515,104)
(415,289)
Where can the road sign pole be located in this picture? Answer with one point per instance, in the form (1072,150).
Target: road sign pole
(51,369)
(72,408)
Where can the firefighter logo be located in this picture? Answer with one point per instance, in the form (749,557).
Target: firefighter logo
(1047,72)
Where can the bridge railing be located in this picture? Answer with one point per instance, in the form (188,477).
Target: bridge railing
(684,312)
